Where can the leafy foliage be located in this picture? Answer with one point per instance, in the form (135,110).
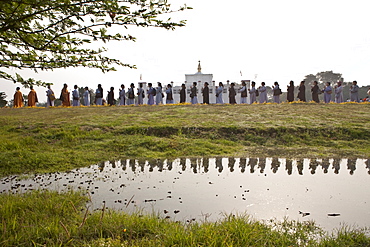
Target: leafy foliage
(46,35)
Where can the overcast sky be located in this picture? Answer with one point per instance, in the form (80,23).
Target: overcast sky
(273,40)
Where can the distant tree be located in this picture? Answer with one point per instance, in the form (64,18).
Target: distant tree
(329,76)
(50,34)
(3,102)
(309,79)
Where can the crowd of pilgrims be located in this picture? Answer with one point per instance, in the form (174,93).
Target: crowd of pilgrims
(155,95)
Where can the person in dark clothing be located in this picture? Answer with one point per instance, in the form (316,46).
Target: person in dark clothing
(315,92)
(111,97)
(290,95)
(205,92)
(183,94)
(302,92)
(232,94)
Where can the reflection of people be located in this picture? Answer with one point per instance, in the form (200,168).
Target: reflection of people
(300,166)
(275,164)
(169,165)
(231,164)
(368,165)
(313,165)
(183,164)
(160,165)
(289,166)
(242,164)
(206,164)
(252,163)
(151,164)
(325,165)
(262,164)
(132,164)
(219,164)
(193,165)
(141,165)
(351,165)
(336,165)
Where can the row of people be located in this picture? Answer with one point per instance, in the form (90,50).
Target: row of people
(156,95)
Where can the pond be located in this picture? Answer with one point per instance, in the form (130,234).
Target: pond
(329,191)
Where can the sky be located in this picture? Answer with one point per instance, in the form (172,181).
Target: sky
(264,40)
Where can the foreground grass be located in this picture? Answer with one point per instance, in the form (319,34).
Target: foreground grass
(52,219)
(59,139)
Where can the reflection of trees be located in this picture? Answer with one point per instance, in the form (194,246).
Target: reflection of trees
(205,164)
(336,165)
(231,164)
(219,164)
(242,164)
(132,165)
(300,166)
(313,165)
(252,163)
(193,165)
(262,164)
(275,164)
(169,165)
(351,165)
(289,166)
(183,164)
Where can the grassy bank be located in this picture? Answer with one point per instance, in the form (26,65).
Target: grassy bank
(45,140)
(52,219)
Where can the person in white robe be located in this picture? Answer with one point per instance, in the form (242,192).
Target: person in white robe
(219,91)
(75,97)
(354,92)
(338,89)
(159,95)
(151,92)
(122,95)
(276,92)
(243,93)
(50,97)
(140,94)
(99,95)
(262,93)
(327,92)
(252,93)
(194,94)
(86,97)
(131,95)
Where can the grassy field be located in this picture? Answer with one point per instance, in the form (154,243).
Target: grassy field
(52,219)
(59,139)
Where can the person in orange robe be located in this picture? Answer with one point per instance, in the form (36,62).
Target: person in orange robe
(65,96)
(32,97)
(18,98)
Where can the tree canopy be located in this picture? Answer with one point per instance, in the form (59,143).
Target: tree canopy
(46,35)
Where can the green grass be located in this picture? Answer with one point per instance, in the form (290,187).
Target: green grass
(52,219)
(59,139)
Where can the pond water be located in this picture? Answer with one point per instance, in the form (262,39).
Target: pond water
(329,191)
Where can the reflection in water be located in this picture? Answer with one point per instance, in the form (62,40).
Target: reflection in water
(262,164)
(275,164)
(202,165)
(289,166)
(336,165)
(351,165)
(300,166)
